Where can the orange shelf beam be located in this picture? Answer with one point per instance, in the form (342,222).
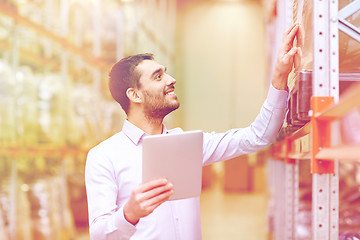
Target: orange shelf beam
(344,153)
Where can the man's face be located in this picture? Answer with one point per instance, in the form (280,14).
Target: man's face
(157,89)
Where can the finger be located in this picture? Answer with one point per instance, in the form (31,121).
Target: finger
(157,191)
(300,36)
(159,203)
(159,199)
(289,39)
(289,55)
(152,207)
(289,36)
(290,29)
(152,184)
(149,205)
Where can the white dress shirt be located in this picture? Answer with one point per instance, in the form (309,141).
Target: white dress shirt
(113,169)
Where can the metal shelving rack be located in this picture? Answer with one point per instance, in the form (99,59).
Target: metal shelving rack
(319,140)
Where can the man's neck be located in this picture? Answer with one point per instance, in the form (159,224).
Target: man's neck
(149,125)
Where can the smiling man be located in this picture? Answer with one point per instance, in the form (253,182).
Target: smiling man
(120,205)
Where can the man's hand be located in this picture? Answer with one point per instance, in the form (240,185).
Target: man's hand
(289,56)
(145,198)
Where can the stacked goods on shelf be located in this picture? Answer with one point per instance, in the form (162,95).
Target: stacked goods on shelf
(349,188)
(349,48)
(349,202)
(111,29)
(349,198)
(7,132)
(350,125)
(27,109)
(39,177)
(7,137)
(349,69)
(349,212)
(81,31)
(301,142)
(55,104)
(51,109)
(31,119)
(48,216)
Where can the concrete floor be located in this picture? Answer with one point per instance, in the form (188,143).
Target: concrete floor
(233,216)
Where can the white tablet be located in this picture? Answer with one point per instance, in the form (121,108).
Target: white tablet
(178,158)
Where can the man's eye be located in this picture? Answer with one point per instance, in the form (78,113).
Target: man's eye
(158,77)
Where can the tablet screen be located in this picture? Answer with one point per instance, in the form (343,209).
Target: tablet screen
(178,158)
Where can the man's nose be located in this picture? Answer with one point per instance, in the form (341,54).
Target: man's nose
(170,80)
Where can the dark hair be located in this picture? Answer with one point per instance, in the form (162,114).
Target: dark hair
(123,76)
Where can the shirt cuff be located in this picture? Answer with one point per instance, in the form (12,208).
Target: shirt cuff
(277,98)
(123,225)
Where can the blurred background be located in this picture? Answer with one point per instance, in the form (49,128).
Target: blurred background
(55,56)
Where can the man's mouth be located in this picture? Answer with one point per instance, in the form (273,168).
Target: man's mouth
(170,92)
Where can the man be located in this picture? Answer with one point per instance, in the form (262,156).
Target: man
(120,206)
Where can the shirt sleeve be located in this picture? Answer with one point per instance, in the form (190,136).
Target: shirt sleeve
(106,219)
(261,133)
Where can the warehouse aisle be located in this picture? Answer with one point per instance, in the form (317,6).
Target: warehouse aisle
(233,216)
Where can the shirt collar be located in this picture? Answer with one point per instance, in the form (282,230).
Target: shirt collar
(134,133)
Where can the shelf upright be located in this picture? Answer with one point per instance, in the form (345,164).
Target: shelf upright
(322,133)
(64,26)
(325,190)
(284,183)
(278,187)
(97,7)
(13,172)
(13,200)
(291,190)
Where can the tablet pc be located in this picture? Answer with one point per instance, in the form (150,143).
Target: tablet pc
(178,158)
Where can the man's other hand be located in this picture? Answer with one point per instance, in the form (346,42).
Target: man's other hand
(145,198)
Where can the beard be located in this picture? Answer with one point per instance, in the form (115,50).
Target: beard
(158,106)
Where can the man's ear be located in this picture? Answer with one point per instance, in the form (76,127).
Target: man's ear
(133,95)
